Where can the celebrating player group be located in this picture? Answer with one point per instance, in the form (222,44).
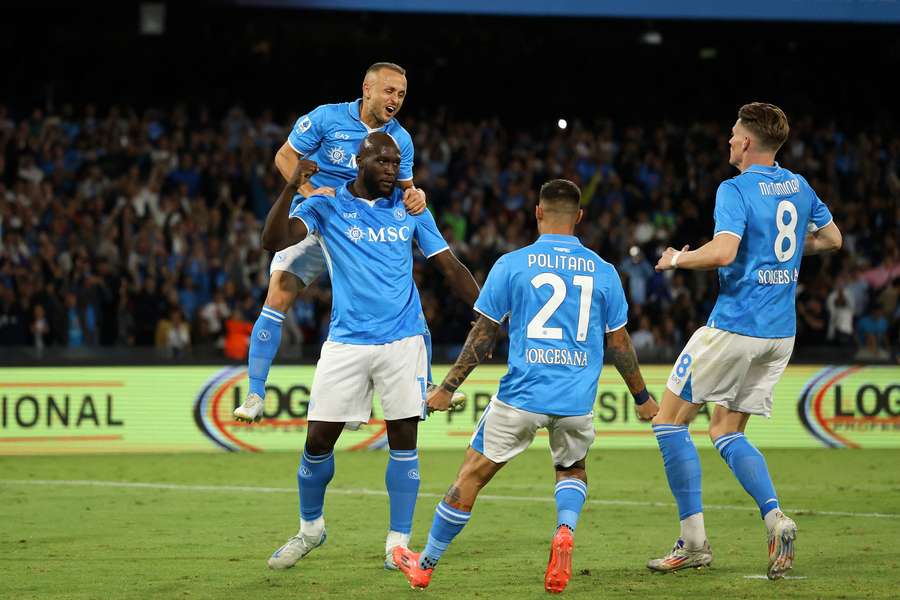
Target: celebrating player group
(350,206)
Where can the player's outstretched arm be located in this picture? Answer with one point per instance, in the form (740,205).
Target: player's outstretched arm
(621,352)
(479,345)
(719,252)
(827,239)
(281,231)
(457,275)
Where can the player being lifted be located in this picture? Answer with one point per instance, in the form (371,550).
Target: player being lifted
(375,340)
(562,301)
(330,136)
(762,218)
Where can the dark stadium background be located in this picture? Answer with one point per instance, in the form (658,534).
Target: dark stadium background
(512,76)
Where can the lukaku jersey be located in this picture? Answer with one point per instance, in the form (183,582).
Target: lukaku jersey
(770,209)
(331,135)
(561,300)
(368,251)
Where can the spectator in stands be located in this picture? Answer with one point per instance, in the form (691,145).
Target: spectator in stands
(172,217)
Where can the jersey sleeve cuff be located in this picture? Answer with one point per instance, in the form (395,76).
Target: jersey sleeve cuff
(720,232)
(617,327)
(410,178)
(484,314)
(814,228)
(436,252)
(294,148)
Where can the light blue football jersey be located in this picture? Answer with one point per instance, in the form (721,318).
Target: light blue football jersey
(331,135)
(561,300)
(368,252)
(770,209)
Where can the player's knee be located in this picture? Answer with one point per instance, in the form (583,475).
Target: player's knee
(321,439)
(402,433)
(575,471)
(283,290)
(717,430)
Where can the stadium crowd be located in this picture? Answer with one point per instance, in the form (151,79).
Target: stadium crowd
(120,228)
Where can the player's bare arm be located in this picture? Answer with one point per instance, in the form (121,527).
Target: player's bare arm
(478,346)
(280,231)
(457,275)
(621,352)
(827,239)
(719,252)
(286,160)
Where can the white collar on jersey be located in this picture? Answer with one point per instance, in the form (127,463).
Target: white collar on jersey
(354,109)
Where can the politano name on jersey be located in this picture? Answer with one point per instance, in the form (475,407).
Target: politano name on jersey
(561,300)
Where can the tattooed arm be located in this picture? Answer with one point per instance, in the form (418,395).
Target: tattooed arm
(479,346)
(620,351)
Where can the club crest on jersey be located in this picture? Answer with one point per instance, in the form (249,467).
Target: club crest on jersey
(304,124)
(399,213)
(336,155)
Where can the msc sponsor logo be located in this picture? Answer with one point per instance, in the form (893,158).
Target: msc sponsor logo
(382,234)
(850,407)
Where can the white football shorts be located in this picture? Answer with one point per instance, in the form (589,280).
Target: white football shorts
(505,431)
(305,260)
(347,375)
(737,371)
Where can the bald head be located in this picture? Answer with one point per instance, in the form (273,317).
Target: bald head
(375,142)
(384,90)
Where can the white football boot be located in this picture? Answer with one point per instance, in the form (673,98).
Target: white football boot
(296,548)
(682,558)
(781,546)
(394,539)
(251,411)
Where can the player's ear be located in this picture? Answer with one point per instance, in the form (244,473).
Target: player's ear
(578,218)
(539,213)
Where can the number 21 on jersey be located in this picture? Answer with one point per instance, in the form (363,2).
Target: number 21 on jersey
(537,327)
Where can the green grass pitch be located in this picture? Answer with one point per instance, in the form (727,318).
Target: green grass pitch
(202,526)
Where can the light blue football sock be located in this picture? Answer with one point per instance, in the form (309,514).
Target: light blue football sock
(401,478)
(682,466)
(570,496)
(749,466)
(447,524)
(264,342)
(313,476)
